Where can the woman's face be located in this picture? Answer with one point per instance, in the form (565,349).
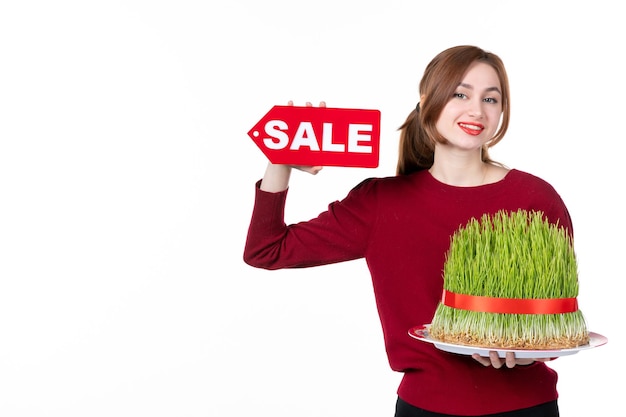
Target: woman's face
(471,117)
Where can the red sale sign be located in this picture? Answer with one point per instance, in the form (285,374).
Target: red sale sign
(319,136)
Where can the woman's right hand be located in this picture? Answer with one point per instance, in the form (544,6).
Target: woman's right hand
(310,169)
(276,176)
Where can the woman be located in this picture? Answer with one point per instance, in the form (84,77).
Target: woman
(402,226)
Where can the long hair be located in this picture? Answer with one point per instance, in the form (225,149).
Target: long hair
(418,134)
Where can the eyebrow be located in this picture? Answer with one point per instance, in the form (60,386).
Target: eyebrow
(487,90)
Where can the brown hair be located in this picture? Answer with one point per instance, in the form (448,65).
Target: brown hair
(442,75)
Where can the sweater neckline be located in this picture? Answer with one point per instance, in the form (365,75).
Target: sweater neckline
(441,184)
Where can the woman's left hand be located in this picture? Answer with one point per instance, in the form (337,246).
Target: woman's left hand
(510,361)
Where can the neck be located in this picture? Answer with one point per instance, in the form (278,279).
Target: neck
(461,173)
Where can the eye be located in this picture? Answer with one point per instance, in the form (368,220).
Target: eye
(459,95)
(491,100)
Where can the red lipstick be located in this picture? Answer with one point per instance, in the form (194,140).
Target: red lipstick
(473,129)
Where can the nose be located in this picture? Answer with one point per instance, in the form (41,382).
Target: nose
(476,108)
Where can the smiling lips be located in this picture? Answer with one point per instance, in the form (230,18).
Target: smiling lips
(473,129)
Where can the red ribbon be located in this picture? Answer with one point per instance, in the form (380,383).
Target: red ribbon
(509,305)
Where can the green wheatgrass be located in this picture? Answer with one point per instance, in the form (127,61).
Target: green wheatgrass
(511,255)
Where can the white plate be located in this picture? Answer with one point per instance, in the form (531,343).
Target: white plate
(421,333)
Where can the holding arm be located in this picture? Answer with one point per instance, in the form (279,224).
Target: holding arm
(335,235)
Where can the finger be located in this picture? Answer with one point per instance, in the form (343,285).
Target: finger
(310,169)
(510,360)
(526,361)
(309,104)
(314,170)
(322,104)
(481,359)
(496,362)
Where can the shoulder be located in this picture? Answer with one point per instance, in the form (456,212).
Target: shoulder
(526,179)
(388,186)
(541,195)
(382,190)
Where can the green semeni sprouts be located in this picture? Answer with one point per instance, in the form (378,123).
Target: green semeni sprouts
(511,255)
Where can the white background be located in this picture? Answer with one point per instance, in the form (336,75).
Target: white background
(126,186)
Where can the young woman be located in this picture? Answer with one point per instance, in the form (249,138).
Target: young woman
(402,225)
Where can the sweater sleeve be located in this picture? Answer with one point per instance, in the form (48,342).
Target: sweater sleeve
(337,234)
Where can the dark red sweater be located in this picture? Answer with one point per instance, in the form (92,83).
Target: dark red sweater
(402,227)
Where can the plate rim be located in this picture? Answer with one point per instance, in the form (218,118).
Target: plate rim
(595,340)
